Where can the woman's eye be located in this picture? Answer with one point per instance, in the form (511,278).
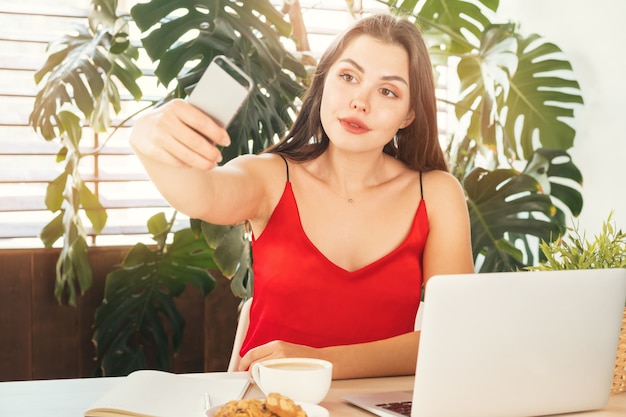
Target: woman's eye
(347,77)
(388,93)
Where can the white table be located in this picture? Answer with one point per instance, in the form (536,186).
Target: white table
(70,397)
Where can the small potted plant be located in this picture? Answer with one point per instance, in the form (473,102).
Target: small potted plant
(606,250)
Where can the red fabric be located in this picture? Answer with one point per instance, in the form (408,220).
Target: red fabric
(302,297)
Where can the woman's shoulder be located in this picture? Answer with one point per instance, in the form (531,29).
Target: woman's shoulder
(263,178)
(264,164)
(440,185)
(440,178)
(259,159)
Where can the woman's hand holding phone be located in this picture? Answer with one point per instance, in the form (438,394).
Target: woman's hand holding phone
(188,133)
(222,90)
(179,134)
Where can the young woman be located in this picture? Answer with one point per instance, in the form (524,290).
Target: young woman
(352,212)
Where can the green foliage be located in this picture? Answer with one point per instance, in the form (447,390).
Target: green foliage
(456,23)
(82,72)
(189,33)
(508,208)
(504,206)
(81,76)
(66,195)
(574,251)
(512,86)
(539,97)
(516,97)
(138,311)
(231,247)
(558,177)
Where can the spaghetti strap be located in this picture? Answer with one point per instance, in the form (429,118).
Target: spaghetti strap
(287,167)
(421,190)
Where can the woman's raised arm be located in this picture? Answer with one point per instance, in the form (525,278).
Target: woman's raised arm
(178,146)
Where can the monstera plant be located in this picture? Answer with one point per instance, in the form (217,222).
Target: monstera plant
(516,100)
(249,33)
(517,94)
(81,83)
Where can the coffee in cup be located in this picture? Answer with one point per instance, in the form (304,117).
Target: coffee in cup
(304,380)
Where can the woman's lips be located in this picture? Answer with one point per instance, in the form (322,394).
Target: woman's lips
(353,125)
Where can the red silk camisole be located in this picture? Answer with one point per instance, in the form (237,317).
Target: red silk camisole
(301,297)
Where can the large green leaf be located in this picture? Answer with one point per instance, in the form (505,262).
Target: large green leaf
(81,65)
(94,210)
(138,314)
(188,258)
(526,100)
(189,33)
(543,96)
(456,23)
(484,82)
(232,255)
(505,207)
(73,270)
(560,178)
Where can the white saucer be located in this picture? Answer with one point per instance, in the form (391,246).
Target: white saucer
(314,410)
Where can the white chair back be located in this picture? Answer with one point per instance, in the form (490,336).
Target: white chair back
(240,334)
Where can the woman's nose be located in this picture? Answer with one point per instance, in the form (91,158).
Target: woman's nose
(360,103)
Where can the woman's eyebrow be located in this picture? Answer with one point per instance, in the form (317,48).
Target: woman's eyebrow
(385,77)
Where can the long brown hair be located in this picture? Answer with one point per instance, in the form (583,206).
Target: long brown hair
(417,144)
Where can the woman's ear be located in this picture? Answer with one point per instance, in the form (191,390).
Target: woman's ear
(409,119)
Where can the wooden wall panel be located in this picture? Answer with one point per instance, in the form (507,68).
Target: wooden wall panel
(40,339)
(191,306)
(55,327)
(15,315)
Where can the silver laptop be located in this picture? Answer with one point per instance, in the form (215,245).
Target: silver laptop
(513,344)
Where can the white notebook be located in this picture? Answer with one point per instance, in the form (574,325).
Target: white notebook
(514,344)
(149,393)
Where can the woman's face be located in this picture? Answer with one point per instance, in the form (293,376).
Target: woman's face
(366,96)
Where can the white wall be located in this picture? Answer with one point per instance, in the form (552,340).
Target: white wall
(593,37)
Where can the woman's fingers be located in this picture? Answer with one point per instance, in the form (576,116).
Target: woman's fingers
(199,121)
(174,133)
(274,350)
(180,135)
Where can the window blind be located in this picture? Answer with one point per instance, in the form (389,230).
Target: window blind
(27,161)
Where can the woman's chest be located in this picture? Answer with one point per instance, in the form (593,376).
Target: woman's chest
(354,235)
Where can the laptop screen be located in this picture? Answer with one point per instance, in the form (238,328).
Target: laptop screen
(516,344)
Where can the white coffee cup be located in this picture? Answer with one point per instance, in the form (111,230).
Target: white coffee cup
(304,380)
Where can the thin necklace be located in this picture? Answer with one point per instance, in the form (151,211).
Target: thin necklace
(348,199)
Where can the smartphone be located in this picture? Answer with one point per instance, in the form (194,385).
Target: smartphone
(222,90)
